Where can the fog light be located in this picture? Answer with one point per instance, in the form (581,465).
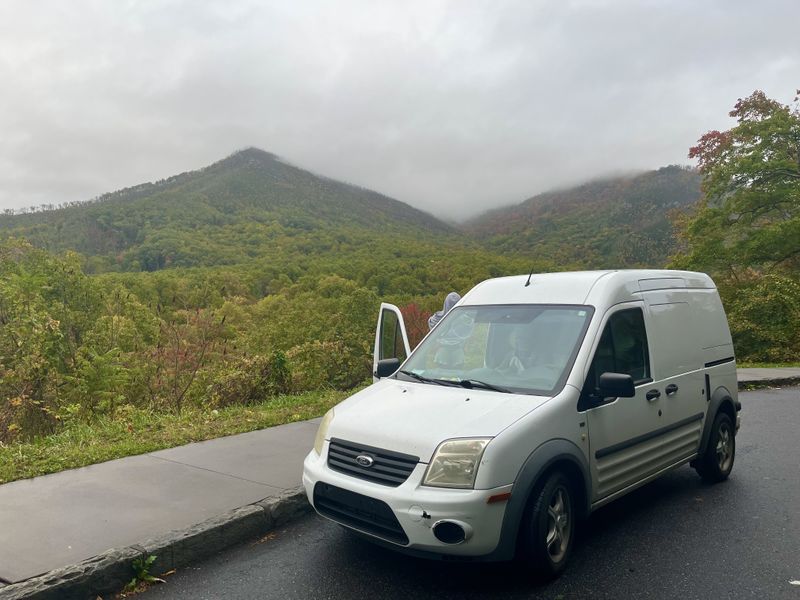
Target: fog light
(451,532)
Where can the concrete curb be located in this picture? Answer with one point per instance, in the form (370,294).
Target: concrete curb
(758,384)
(111,571)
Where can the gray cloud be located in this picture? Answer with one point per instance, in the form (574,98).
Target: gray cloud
(453,107)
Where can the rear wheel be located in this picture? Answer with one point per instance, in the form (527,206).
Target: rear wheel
(548,529)
(717,461)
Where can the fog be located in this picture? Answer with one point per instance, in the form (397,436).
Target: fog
(453,107)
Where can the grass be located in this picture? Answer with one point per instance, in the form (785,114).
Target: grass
(136,431)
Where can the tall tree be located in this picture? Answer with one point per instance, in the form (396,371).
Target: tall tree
(746,228)
(749,218)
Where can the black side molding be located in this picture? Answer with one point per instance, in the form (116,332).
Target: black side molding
(646,437)
(721,361)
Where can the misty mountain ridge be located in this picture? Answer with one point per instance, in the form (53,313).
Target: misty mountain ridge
(234,209)
(252,204)
(605,223)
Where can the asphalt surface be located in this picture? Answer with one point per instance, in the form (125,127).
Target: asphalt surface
(676,537)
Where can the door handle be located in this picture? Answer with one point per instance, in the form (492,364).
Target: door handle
(652,395)
(671,389)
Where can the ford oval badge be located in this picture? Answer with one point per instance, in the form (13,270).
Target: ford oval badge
(364,460)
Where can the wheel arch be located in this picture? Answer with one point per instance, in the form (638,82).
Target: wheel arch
(721,400)
(551,456)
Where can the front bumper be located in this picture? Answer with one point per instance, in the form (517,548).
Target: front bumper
(417,508)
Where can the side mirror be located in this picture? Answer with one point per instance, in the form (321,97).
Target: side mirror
(616,385)
(387,367)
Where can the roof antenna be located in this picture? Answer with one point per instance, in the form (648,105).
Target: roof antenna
(527,283)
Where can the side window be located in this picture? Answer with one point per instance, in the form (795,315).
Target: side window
(391,345)
(622,349)
(629,337)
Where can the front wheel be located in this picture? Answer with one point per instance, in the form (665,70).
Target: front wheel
(717,461)
(548,529)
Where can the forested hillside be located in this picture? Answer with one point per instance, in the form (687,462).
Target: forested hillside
(252,206)
(249,205)
(225,286)
(619,222)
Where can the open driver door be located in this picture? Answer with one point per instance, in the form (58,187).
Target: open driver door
(391,342)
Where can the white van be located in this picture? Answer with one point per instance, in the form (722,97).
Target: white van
(533,402)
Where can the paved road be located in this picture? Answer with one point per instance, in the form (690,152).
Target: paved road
(676,537)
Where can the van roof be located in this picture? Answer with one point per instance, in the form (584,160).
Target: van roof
(594,288)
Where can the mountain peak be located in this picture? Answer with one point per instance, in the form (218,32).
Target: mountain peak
(249,155)
(186,220)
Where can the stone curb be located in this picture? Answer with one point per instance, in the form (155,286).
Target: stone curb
(757,384)
(110,571)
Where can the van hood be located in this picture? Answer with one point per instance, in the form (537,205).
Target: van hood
(414,418)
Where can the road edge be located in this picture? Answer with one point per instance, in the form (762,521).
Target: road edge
(110,571)
(760,384)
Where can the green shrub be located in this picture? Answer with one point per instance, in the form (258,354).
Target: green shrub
(249,380)
(318,364)
(764,316)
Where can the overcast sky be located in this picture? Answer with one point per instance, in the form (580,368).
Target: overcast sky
(453,107)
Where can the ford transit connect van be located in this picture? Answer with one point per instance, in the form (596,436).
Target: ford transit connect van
(533,402)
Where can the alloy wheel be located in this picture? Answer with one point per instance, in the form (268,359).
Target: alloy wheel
(724,447)
(559,524)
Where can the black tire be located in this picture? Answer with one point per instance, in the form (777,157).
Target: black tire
(717,461)
(547,532)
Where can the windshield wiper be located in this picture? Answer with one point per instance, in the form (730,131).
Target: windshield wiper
(428,379)
(465,383)
(473,383)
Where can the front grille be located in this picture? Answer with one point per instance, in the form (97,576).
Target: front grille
(388,468)
(359,512)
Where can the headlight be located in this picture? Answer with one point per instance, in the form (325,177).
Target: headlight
(322,432)
(455,463)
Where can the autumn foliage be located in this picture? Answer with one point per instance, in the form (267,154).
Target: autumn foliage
(746,229)
(416,321)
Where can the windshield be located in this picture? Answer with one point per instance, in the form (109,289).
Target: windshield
(518,348)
